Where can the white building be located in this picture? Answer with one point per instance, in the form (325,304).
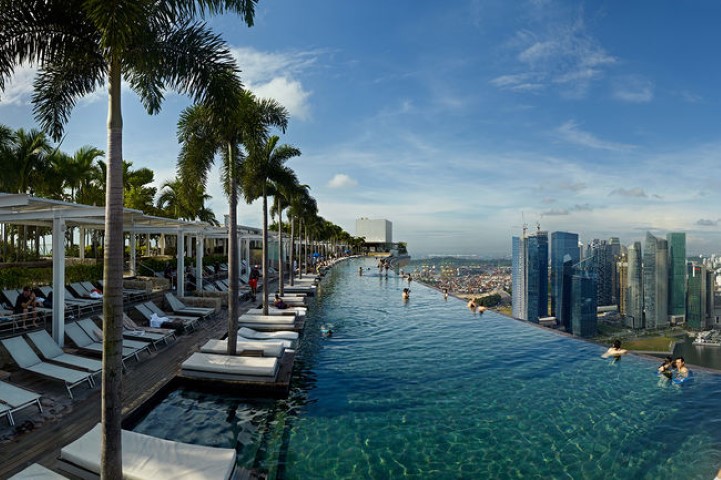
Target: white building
(374,230)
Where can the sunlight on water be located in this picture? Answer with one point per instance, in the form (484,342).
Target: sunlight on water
(426,390)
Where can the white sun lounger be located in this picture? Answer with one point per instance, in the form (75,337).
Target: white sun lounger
(269,348)
(210,365)
(290,311)
(15,399)
(148,308)
(26,359)
(152,458)
(251,334)
(268,319)
(37,472)
(51,351)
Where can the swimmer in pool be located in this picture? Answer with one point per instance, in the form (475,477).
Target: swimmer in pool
(615,351)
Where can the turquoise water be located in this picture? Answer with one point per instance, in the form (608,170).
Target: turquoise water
(427,390)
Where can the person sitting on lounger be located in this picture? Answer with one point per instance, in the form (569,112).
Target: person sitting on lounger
(26,303)
(615,350)
(279,303)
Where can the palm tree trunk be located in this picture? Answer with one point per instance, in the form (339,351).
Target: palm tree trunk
(111,447)
(291,274)
(280,251)
(233,265)
(265,252)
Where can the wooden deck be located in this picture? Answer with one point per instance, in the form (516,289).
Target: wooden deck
(69,420)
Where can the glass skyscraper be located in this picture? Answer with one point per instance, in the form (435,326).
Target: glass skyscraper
(676,274)
(564,247)
(634,290)
(696,314)
(584,316)
(537,276)
(655,282)
(518,277)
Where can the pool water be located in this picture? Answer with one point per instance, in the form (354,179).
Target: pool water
(425,389)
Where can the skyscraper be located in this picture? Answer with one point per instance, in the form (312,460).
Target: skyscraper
(634,292)
(537,276)
(697,301)
(518,277)
(599,251)
(655,282)
(564,246)
(677,275)
(584,319)
(616,252)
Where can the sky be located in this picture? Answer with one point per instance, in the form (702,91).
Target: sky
(460,121)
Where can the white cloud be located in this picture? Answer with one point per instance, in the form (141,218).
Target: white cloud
(20,88)
(633,89)
(275,75)
(636,192)
(570,132)
(564,55)
(341,180)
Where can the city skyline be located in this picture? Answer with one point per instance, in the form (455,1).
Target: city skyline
(461,122)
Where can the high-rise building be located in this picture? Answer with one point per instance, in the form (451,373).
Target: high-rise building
(696,312)
(537,276)
(518,276)
(622,282)
(564,247)
(676,276)
(599,252)
(634,291)
(655,282)
(584,316)
(614,243)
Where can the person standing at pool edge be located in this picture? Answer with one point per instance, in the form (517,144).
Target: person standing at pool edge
(253,280)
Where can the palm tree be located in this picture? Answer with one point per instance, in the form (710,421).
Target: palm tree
(204,133)
(283,193)
(78,44)
(296,200)
(266,165)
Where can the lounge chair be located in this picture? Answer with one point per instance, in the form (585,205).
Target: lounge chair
(15,398)
(156,334)
(52,352)
(146,457)
(85,342)
(37,472)
(180,308)
(96,333)
(288,320)
(148,309)
(251,334)
(79,307)
(226,367)
(85,302)
(26,359)
(268,348)
(130,293)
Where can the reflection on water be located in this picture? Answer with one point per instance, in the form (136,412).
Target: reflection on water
(427,390)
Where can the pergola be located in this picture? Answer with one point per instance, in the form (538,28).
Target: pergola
(22,209)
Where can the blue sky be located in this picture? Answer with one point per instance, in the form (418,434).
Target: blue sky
(460,120)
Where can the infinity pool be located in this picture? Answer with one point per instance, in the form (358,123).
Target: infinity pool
(427,390)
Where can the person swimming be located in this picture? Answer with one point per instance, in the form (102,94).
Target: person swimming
(615,350)
(472,305)
(666,368)
(406,293)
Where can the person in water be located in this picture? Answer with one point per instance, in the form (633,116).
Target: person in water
(445,293)
(666,368)
(615,350)
(472,305)
(682,371)
(360,271)
(406,293)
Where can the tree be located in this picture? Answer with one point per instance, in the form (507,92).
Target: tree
(266,165)
(205,132)
(81,44)
(283,193)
